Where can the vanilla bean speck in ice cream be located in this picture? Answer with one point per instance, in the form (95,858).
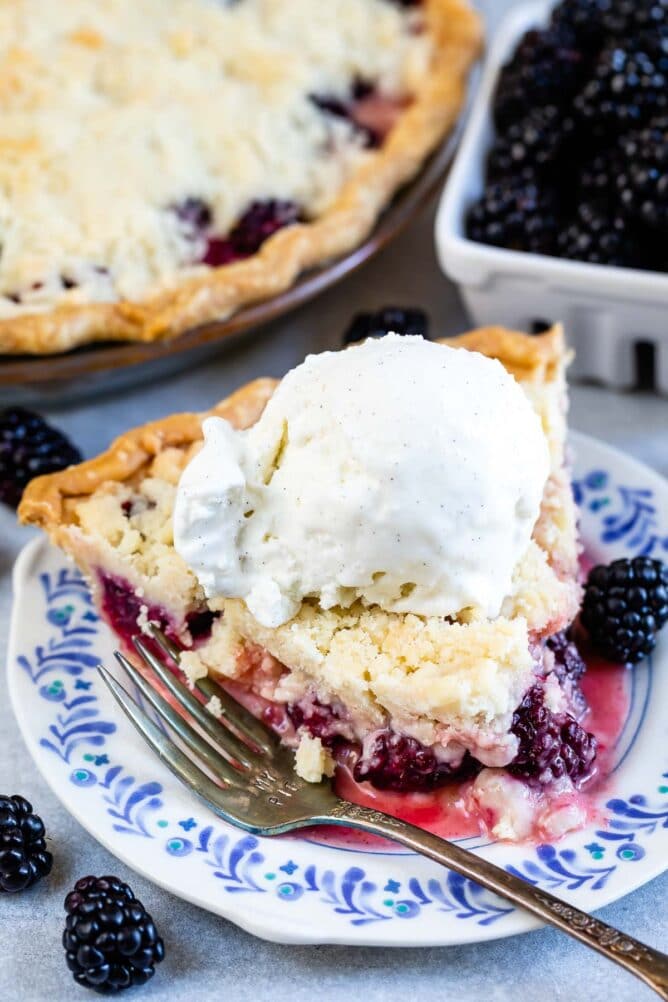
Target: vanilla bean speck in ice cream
(400,472)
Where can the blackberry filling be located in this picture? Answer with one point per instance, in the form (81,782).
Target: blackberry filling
(371,113)
(392,761)
(124,610)
(195,214)
(320,720)
(260,221)
(551,745)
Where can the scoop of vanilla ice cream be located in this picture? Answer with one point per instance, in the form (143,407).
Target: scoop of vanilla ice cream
(399,472)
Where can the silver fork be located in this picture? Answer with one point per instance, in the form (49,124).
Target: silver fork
(258,791)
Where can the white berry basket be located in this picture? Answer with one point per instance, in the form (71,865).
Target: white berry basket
(615,318)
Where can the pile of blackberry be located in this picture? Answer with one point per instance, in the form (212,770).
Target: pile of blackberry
(579,166)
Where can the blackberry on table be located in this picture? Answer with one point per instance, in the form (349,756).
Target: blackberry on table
(111,942)
(550,745)
(517,214)
(29,447)
(531,145)
(389,319)
(625,605)
(643,183)
(24,858)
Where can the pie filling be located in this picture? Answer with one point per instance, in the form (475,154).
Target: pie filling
(525,780)
(126,612)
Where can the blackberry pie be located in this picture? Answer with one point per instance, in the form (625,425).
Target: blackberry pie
(377,555)
(167,162)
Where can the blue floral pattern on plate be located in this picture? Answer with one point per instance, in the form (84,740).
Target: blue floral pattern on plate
(81,742)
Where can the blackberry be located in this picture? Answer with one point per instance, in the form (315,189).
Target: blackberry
(392,761)
(643,183)
(583,18)
(110,940)
(568,663)
(626,18)
(593,20)
(532,145)
(599,237)
(320,720)
(628,87)
(625,605)
(546,69)
(24,858)
(597,179)
(568,668)
(346,107)
(260,221)
(517,214)
(194,213)
(29,447)
(551,745)
(389,319)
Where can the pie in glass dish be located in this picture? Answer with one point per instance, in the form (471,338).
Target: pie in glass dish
(311,590)
(165,163)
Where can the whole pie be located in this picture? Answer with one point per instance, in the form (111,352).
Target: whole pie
(416,699)
(166,162)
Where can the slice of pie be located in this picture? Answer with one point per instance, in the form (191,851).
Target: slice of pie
(417,700)
(165,163)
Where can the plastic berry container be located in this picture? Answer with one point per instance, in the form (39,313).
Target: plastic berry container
(616,319)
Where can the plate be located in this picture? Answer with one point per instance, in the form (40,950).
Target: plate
(111,367)
(298,888)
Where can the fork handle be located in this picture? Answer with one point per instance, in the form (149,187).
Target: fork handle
(650,965)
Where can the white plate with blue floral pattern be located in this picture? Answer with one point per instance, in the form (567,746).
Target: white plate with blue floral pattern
(299,889)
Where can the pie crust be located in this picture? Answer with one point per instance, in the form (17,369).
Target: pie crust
(219,291)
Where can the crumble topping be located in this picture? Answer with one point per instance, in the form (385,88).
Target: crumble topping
(312,760)
(215,707)
(145,106)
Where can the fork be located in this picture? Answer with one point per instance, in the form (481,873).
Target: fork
(258,790)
